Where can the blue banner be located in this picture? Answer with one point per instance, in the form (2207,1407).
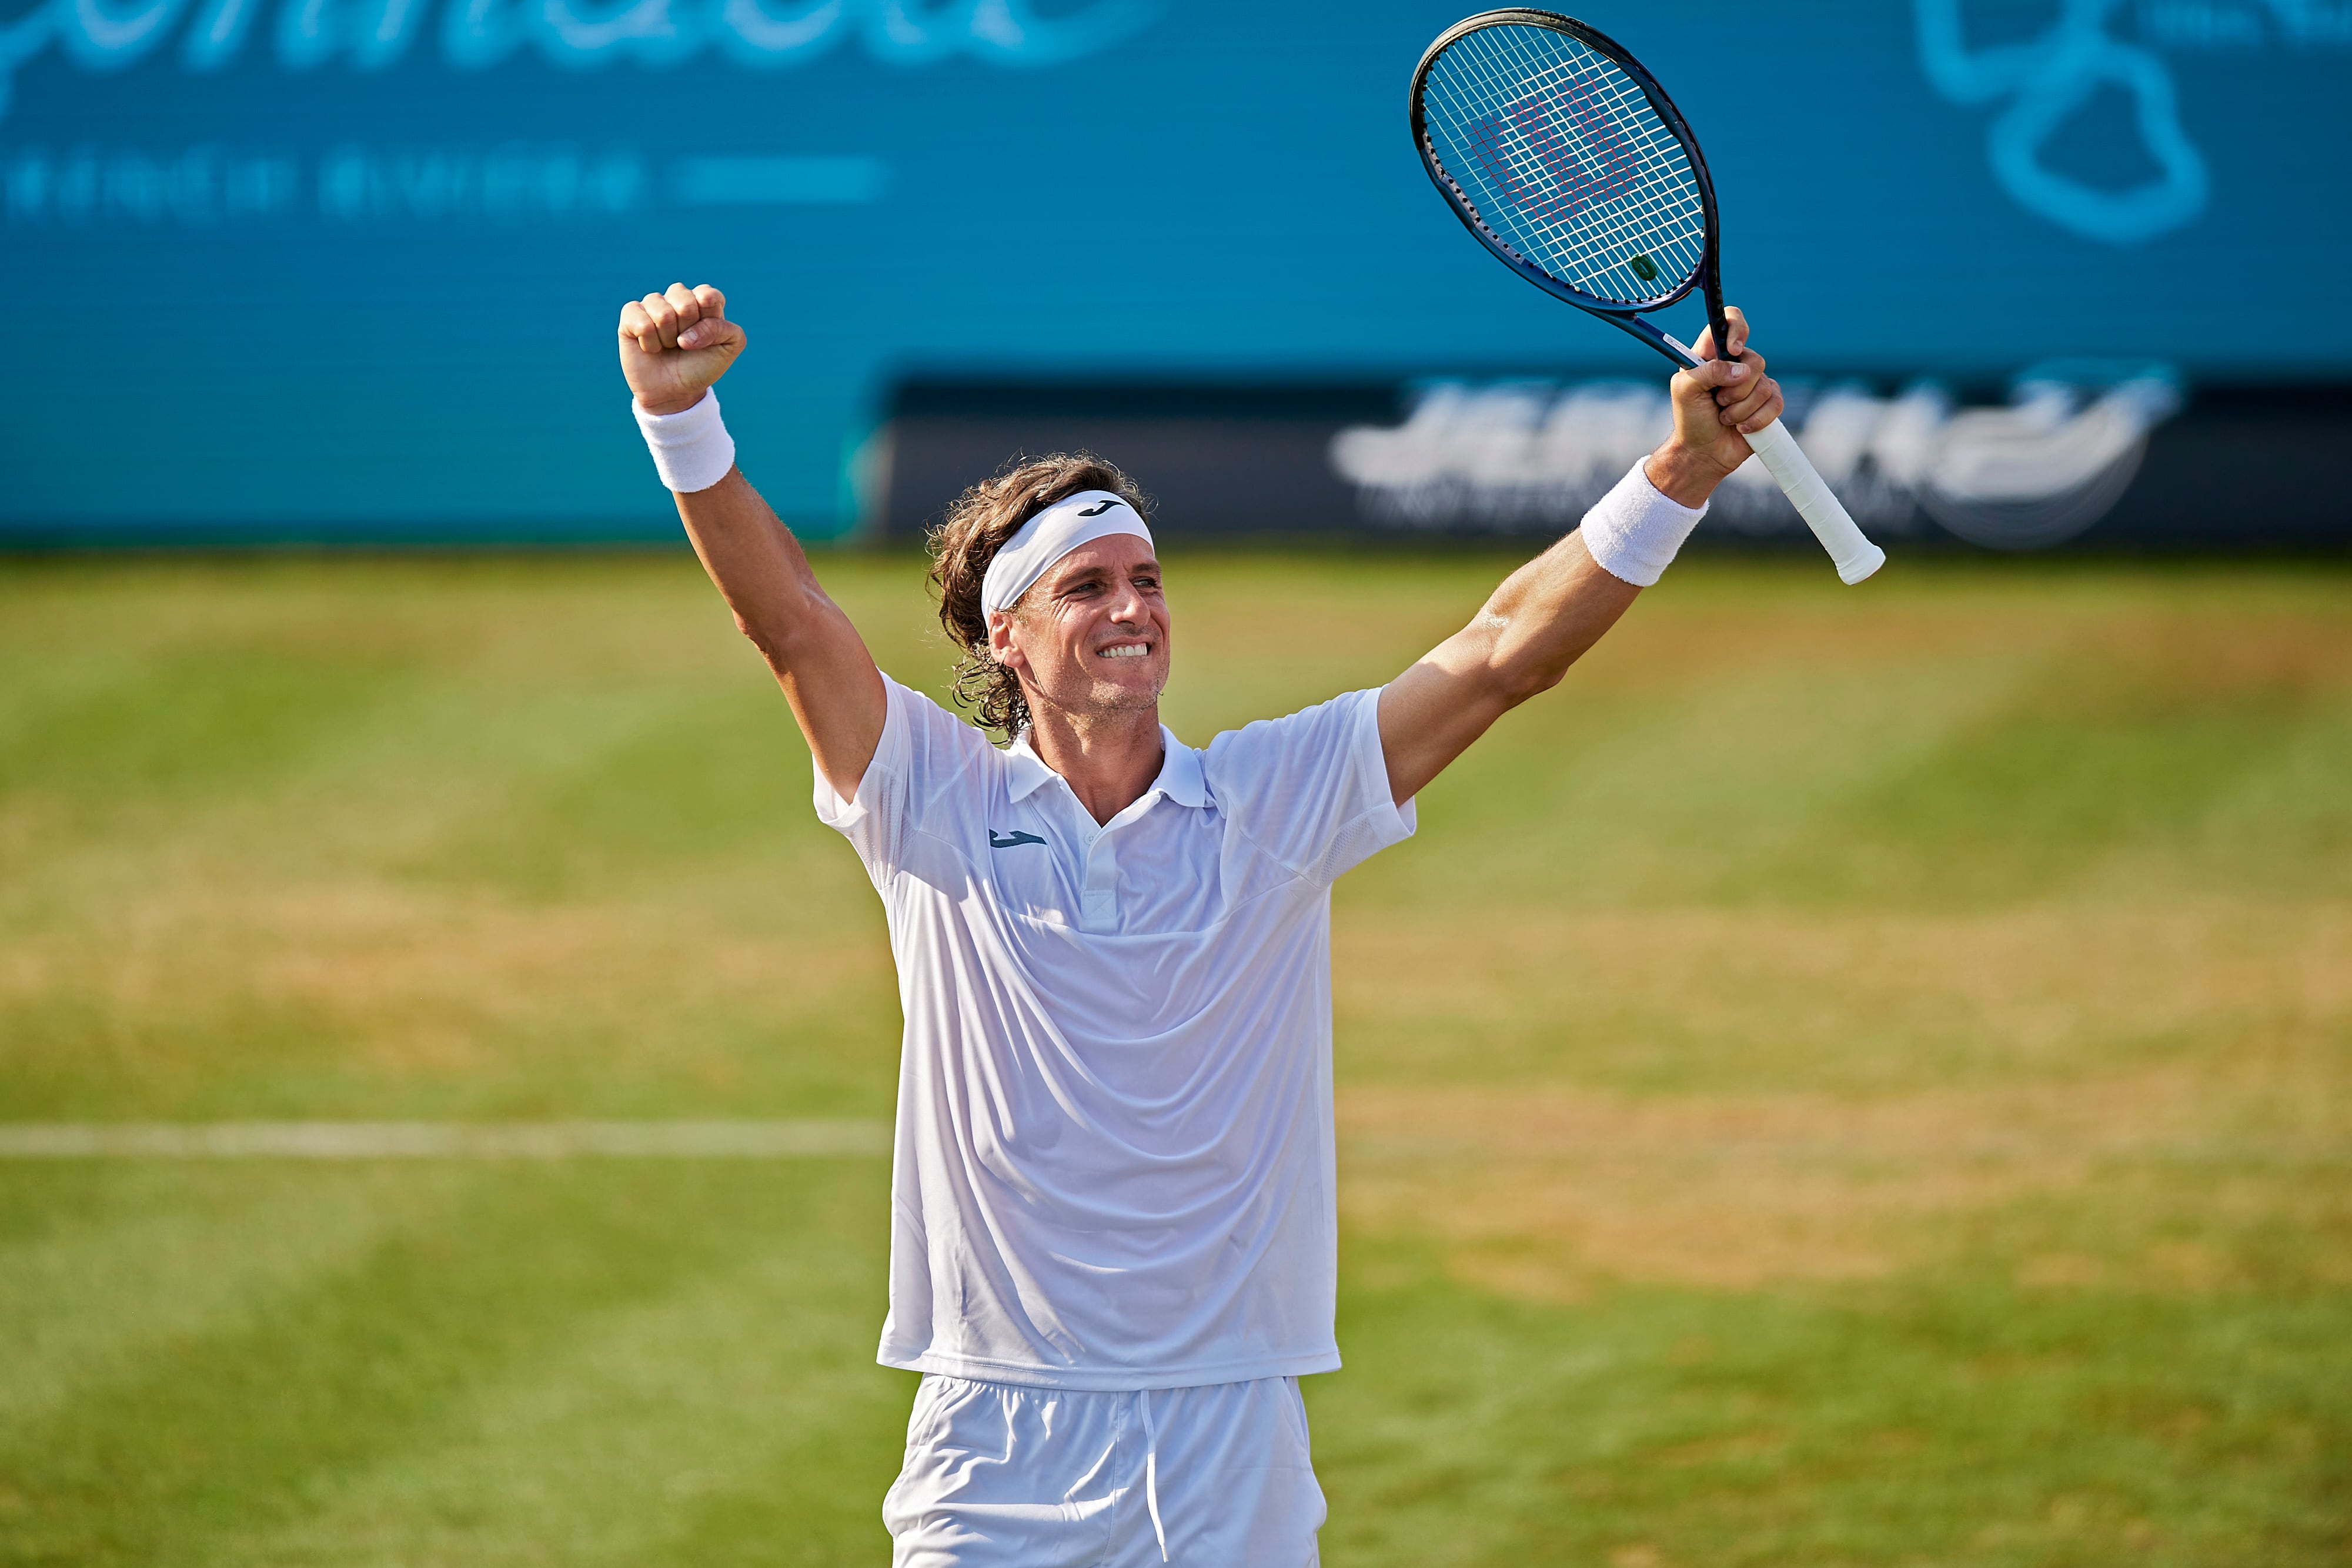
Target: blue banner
(350,268)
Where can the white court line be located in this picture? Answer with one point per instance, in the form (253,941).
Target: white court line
(440,1140)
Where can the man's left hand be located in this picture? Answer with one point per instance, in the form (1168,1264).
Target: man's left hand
(1715,406)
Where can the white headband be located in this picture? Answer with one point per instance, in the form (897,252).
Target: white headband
(1048,536)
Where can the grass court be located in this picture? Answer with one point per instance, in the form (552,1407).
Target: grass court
(1854,1077)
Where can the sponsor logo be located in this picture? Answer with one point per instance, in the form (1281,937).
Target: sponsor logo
(1533,455)
(1011,841)
(100,36)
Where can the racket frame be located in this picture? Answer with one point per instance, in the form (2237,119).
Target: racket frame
(1855,556)
(1625,317)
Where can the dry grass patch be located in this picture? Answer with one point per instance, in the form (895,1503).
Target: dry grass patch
(369,986)
(1545,1194)
(1734,1101)
(1715,998)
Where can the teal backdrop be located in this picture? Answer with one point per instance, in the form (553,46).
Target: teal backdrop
(349,268)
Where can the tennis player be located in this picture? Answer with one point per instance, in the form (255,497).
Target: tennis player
(1114,1240)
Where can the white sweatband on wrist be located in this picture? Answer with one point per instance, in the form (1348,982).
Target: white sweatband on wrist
(692,450)
(1046,538)
(1634,530)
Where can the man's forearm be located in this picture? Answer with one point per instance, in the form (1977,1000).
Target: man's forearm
(1547,615)
(814,653)
(760,568)
(1539,621)
(1531,628)
(757,564)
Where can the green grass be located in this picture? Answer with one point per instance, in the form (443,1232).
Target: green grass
(1856,1077)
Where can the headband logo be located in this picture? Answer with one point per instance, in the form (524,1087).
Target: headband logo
(1097,509)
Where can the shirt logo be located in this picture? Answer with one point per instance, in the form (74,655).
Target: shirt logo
(1011,841)
(1096,510)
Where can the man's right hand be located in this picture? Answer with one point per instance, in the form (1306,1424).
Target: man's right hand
(675,344)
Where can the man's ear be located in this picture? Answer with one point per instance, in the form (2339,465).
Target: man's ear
(1000,644)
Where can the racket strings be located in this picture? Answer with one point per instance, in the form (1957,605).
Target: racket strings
(1624,189)
(1618,187)
(1561,155)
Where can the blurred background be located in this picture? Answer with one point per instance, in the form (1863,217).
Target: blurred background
(346,269)
(1858,1076)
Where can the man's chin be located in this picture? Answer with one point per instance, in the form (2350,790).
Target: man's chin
(1138,693)
(1112,696)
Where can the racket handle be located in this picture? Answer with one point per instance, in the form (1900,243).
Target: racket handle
(1855,556)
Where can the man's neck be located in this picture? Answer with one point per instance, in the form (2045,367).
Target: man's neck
(1109,760)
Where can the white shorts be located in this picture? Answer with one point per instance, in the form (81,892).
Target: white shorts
(1004,1477)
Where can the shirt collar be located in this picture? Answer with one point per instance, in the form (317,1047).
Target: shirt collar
(1030,773)
(1180,778)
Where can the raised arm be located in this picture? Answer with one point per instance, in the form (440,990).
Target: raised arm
(1547,613)
(673,346)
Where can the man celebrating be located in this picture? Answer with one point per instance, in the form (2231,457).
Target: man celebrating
(1114,1235)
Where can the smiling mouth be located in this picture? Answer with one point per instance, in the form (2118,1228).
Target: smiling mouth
(1126,651)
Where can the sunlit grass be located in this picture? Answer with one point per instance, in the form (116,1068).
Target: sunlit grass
(1855,1077)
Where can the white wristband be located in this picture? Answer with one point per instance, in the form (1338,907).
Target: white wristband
(1634,530)
(692,450)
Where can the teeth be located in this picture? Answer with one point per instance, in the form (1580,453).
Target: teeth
(1126,651)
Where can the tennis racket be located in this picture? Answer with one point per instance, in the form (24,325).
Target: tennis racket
(1568,162)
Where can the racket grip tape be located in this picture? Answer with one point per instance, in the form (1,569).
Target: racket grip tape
(1855,555)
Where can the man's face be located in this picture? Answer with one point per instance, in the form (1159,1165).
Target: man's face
(1091,635)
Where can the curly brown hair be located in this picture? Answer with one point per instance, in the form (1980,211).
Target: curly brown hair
(967,537)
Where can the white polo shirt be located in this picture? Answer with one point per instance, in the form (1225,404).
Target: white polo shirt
(1113,1160)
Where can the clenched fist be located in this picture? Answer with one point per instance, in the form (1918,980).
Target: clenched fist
(675,344)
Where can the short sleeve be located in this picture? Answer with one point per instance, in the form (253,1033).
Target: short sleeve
(924,751)
(1311,789)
